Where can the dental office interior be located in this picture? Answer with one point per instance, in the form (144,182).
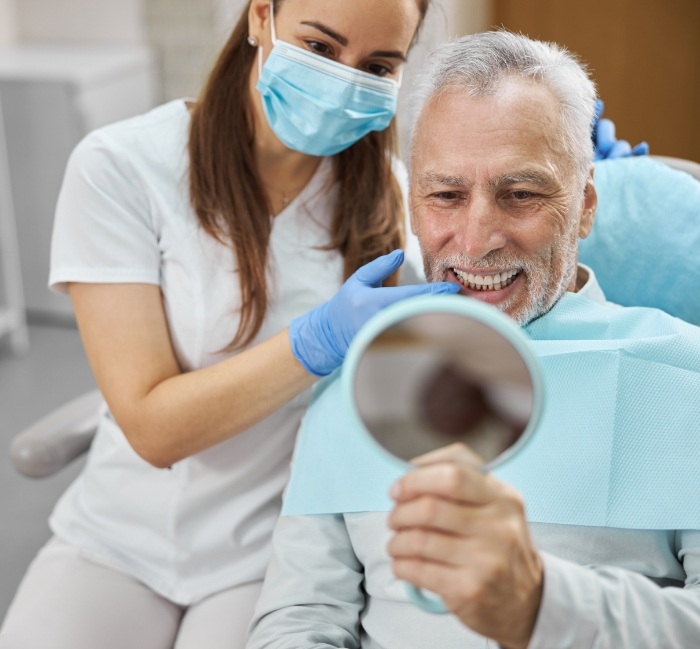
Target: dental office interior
(70,66)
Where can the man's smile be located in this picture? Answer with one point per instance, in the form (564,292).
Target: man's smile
(486,282)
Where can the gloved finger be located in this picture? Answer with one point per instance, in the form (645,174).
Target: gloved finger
(641,149)
(599,105)
(444,288)
(396,293)
(604,136)
(621,149)
(376,271)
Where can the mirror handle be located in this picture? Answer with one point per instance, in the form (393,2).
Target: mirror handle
(429,603)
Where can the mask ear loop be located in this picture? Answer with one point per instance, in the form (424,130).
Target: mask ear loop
(273,34)
(272,22)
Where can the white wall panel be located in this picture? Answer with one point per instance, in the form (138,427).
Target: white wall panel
(446,19)
(8,22)
(81,21)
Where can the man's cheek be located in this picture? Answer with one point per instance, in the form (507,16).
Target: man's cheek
(433,231)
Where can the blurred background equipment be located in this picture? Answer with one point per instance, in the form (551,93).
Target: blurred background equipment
(13,323)
(52,96)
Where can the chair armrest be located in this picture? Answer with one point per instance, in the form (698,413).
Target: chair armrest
(693,168)
(57,439)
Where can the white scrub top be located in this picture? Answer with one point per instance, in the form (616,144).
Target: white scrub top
(124,215)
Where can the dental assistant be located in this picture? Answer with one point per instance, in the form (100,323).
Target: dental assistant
(219,255)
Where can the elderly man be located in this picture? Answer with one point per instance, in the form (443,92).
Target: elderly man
(501,189)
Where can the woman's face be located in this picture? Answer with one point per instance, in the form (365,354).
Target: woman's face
(369,35)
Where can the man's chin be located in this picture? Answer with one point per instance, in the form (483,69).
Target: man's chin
(523,312)
(528,297)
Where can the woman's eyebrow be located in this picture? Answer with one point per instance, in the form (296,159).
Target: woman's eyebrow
(390,54)
(327,31)
(394,54)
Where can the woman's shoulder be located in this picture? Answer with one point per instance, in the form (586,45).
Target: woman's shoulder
(157,135)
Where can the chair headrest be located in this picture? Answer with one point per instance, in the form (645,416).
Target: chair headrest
(645,243)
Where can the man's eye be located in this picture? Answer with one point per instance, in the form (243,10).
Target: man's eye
(446,196)
(521,195)
(445,199)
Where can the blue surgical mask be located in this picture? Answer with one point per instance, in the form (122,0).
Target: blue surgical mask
(318,106)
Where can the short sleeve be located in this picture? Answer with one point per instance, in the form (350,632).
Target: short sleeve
(103,231)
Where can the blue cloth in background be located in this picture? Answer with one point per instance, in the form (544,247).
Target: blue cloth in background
(645,242)
(618,444)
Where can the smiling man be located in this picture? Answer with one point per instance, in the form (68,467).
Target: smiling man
(501,190)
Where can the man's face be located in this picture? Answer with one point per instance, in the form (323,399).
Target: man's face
(495,201)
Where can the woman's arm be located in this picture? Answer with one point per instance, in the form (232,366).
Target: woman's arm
(166,414)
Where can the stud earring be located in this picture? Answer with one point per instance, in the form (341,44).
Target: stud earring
(252,41)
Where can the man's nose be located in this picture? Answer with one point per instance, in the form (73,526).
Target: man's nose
(480,228)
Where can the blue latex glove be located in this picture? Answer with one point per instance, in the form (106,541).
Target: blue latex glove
(321,337)
(606,146)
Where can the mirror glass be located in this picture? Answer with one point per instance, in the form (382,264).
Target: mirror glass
(433,379)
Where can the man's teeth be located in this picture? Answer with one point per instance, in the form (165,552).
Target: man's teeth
(486,282)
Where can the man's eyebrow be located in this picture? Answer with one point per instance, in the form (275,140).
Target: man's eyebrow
(393,54)
(528,176)
(434,178)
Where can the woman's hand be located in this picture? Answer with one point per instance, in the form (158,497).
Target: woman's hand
(320,338)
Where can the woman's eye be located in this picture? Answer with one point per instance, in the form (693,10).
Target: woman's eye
(379,69)
(319,47)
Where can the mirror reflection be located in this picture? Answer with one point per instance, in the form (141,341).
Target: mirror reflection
(438,378)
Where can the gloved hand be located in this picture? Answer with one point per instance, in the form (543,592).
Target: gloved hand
(606,146)
(320,338)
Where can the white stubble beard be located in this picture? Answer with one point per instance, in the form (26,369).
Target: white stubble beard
(541,288)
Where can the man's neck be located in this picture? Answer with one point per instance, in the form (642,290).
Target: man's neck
(581,279)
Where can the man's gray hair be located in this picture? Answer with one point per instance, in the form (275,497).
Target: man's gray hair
(479,62)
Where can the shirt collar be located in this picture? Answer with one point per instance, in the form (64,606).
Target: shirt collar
(591,289)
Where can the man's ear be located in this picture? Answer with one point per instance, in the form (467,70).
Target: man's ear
(590,204)
(258,15)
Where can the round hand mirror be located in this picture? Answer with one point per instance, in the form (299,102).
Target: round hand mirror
(431,371)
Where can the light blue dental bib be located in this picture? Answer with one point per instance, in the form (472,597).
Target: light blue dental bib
(618,444)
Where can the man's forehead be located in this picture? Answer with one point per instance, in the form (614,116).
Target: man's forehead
(511,134)
(511,98)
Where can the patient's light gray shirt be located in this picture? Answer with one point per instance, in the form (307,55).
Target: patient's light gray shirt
(330,584)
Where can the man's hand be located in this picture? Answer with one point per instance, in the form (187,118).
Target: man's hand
(463,535)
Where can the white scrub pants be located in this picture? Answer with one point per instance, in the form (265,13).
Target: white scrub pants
(68,601)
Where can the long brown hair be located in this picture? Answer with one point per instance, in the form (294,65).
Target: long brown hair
(228,197)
